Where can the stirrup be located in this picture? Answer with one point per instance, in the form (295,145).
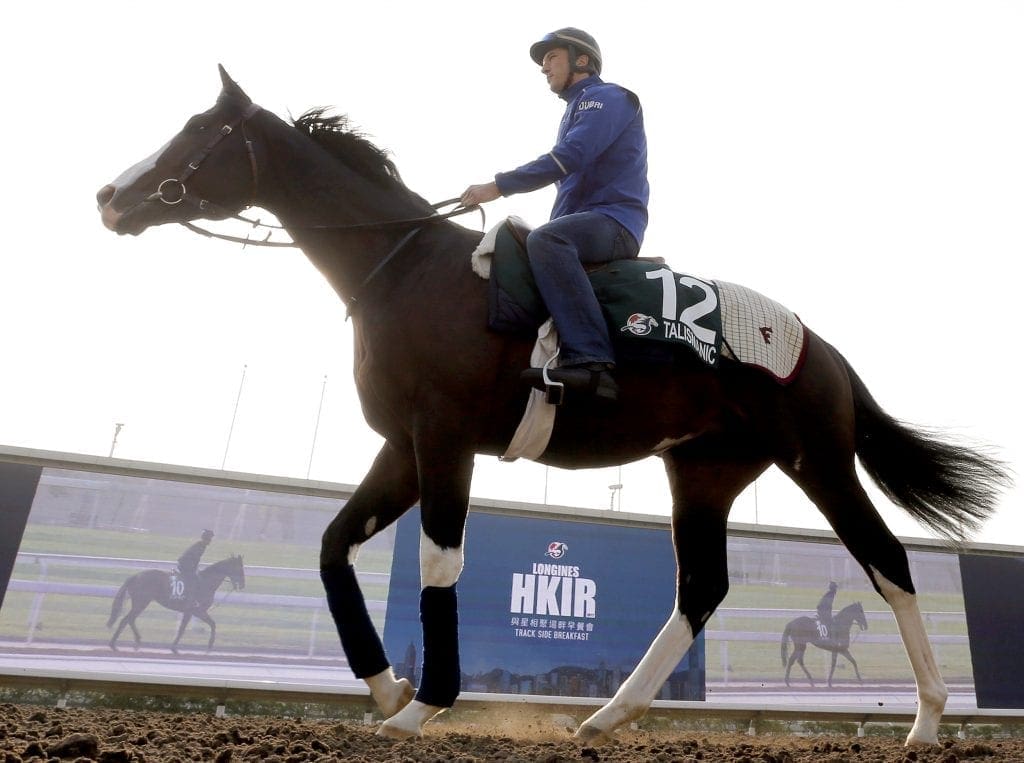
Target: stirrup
(554,391)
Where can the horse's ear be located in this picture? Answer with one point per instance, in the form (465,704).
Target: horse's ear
(230,88)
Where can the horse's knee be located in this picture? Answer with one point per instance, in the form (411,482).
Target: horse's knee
(340,542)
(439,567)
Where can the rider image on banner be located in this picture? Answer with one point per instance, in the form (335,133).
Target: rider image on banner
(547,606)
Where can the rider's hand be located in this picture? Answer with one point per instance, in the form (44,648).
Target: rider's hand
(480,194)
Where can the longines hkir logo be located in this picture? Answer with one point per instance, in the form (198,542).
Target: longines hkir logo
(556,549)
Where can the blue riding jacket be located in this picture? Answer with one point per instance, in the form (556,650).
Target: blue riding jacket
(599,161)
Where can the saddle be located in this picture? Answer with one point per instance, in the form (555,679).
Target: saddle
(653,313)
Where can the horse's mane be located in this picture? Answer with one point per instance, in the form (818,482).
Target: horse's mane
(335,134)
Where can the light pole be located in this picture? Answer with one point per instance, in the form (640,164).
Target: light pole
(616,491)
(316,427)
(113,443)
(234,415)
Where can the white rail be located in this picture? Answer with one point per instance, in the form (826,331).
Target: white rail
(224,692)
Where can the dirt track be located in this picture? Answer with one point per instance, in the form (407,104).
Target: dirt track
(30,733)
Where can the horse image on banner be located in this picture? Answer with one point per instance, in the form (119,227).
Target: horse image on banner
(143,588)
(441,390)
(802,631)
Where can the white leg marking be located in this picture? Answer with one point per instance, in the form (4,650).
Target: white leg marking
(439,567)
(931,690)
(408,722)
(353,553)
(391,694)
(635,695)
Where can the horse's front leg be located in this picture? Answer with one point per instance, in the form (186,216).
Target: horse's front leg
(702,494)
(205,617)
(186,618)
(445,476)
(386,492)
(848,656)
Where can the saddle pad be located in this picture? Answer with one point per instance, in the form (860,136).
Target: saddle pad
(760,332)
(644,300)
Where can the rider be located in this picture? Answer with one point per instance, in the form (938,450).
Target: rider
(599,164)
(825,611)
(188,563)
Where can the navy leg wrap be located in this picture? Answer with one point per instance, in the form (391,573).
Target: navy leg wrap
(442,676)
(359,638)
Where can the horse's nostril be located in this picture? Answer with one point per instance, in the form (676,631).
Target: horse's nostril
(105,194)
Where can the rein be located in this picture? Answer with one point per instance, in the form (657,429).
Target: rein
(378,225)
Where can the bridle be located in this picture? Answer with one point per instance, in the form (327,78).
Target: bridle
(173,191)
(180,190)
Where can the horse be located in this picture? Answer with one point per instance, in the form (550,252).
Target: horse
(805,630)
(440,387)
(155,585)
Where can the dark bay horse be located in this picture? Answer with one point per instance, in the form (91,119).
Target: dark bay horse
(155,585)
(440,387)
(804,630)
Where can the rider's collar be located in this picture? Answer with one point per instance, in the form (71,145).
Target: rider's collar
(573,90)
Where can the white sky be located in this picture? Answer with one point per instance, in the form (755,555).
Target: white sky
(860,162)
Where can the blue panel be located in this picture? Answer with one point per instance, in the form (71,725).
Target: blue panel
(547,606)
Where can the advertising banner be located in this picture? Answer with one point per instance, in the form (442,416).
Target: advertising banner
(802,623)
(995,621)
(17,489)
(547,606)
(106,556)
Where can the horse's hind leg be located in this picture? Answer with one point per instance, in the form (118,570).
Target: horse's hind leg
(117,631)
(839,495)
(386,492)
(798,657)
(205,617)
(129,621)
(702,493)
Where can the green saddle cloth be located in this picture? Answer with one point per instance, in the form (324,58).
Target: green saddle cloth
(642,301)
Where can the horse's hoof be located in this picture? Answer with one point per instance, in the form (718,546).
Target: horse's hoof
(394,731)
(592,735)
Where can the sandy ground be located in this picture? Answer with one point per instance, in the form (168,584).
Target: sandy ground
(33,733)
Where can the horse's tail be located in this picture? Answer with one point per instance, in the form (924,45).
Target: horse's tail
(944,485)
(786,635)
(115,608)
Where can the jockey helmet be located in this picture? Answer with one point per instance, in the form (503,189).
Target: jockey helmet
(576,41)
(207,535)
